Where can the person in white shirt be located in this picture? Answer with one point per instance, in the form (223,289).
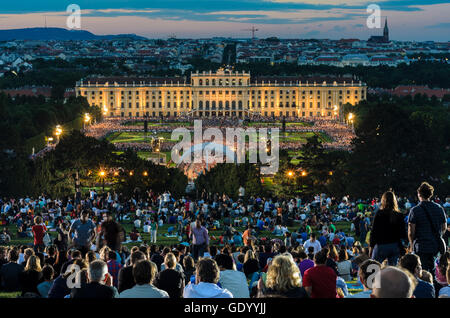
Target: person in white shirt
(231,279)
(206,279)
(144,273)
(313,243)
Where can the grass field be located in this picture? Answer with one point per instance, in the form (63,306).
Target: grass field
(140,137)
(141,123)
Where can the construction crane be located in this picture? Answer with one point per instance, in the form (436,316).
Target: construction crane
(253,29)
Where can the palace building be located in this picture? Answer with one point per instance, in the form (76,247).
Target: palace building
(222,93)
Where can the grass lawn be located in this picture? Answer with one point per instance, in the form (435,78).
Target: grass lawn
(153,124)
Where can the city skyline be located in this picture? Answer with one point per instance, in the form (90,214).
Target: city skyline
(418,20)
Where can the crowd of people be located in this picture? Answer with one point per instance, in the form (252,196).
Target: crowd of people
(222,248)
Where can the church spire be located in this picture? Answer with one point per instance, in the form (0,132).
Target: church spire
(386,31)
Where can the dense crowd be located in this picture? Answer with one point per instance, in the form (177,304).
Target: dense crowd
(250,247)
(340,133)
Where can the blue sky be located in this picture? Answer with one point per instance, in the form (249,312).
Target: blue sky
(408,20)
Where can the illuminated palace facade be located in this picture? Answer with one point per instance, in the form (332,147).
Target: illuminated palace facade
(222,93)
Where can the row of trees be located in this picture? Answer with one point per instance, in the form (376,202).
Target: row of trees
(79,161)
(399,143)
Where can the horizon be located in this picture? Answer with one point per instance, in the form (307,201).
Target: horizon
(417,20)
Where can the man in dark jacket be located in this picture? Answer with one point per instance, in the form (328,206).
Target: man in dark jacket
(100,283)
(126,279)
(10,272)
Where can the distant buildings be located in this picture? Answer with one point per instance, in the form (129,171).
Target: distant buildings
(381,39)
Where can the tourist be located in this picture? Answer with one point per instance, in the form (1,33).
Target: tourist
(39,230)
(30,278)
(312,242)
(445,291)
(283,279)
(189,268)
(126,279)
(426,224)
(169,279)
(366,273)
(344,266)
(83,231)
(100,283)
(231,279)
(10,272)
(392,282)
(144,272)
(320,280)
(411,263)
(200,239)
(47,275)
(388,230)
(206,279)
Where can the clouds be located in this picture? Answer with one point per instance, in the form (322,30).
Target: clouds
(195,18)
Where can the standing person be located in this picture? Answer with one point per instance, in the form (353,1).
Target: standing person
(200,239)
(39,231)
(153,231)
(112,233)
(62,237)
(388,230)
(426,224)
(83,230)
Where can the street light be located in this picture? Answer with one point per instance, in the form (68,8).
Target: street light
(350,119)
(87,119)
(304,173)
(145,173)
(290,174)
(102,175)
(335,110)
(58,132)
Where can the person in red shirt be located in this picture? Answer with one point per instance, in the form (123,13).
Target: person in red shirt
(320,280)
(39,231)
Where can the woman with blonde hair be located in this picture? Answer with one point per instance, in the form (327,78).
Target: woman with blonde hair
(283,279)
(31,277)
(170,279)
(251,264)
(388,230)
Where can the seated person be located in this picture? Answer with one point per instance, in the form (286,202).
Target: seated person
(134,234)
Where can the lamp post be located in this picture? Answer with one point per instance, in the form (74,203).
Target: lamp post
(335,111)
(102,175)
(86,120)
(58,132)
(351,119)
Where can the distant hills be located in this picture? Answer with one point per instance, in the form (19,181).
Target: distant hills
(46,34)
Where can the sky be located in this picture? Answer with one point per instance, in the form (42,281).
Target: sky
(419,20)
